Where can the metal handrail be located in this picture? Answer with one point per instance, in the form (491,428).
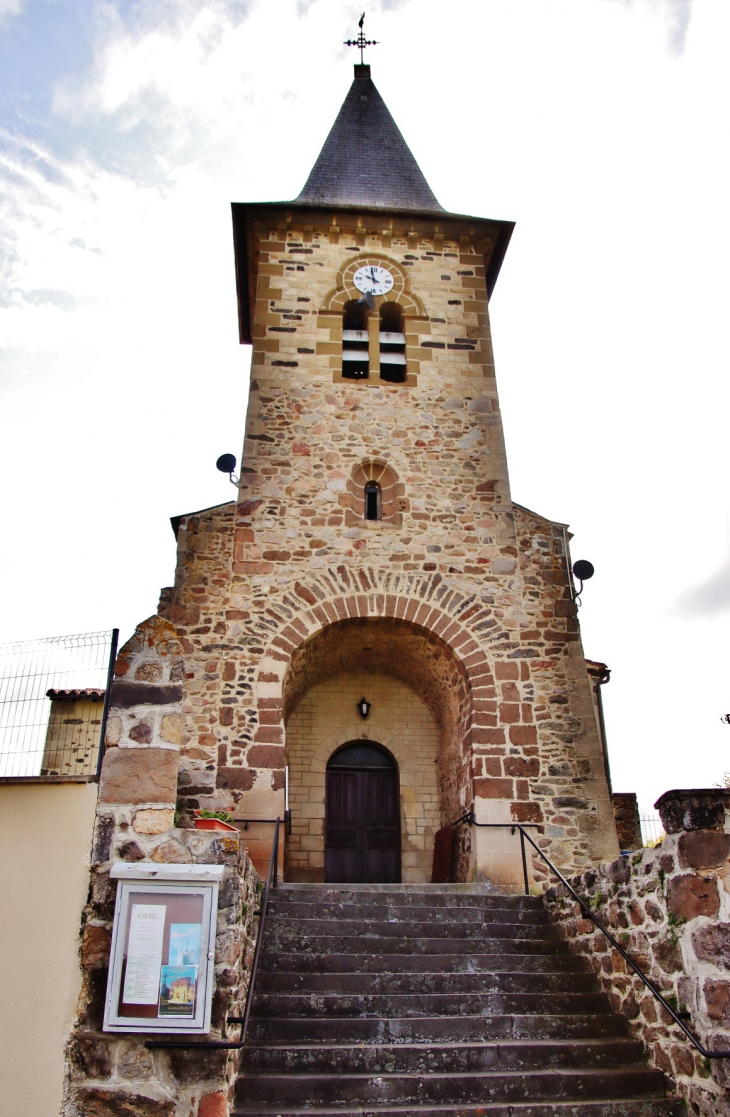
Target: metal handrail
(469,816)
(272,879)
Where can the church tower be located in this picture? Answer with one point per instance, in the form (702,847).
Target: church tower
(375,634)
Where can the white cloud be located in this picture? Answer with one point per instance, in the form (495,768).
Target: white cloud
(675,14)
(711,597)
(10,8)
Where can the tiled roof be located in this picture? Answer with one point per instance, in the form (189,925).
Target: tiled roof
(365,161)
(94,694)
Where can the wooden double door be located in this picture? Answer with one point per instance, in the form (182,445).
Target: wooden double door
(362,817)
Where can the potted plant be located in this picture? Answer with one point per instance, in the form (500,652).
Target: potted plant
(213,820)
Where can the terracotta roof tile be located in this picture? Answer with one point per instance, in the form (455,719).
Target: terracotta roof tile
(93,693)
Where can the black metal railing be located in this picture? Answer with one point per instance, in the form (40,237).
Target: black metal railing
(272,880)
(588,914)
(469,817)
(54,701)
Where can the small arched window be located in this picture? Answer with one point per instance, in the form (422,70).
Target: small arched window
(392,344)
(373,509)
(355,359)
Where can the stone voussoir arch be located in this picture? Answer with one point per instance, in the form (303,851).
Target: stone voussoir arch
(325,608)
(392,491)
(354,732)
(345,290)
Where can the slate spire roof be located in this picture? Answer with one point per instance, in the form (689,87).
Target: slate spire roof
(365,161)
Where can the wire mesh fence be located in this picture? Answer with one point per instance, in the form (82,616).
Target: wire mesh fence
(52,704)
(652,831)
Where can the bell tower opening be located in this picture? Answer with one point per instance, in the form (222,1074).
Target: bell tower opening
(392,344)
(355,356)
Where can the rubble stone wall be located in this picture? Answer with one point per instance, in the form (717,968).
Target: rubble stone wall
(628,822)
(114,1074)
(669,907)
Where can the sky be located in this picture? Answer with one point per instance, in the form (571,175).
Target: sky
(127,127)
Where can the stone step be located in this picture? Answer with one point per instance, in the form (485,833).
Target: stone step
(364,929)
(501,962)
(432,1002)
(277,941)
(433,1029)
(631,1107)
(302,913)
(452,1058)
(306,1090)
(368,984)
(428,1004)
(421,894)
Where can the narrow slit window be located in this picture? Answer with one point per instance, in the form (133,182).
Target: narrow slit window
(392,344)
(372,501)
(355,358)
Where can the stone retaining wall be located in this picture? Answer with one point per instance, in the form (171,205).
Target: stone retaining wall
(669,907)
(112,1074)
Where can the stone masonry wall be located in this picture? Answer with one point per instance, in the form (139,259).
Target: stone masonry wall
(459,561)
(669,907)
(113,1074)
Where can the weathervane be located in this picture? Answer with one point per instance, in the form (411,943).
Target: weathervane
(361,41)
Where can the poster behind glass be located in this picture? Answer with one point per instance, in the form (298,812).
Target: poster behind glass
(163,961)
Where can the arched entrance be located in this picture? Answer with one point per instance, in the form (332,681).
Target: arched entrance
(421,713)
(362,816)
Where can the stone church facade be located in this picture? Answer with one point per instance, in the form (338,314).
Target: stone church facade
(374,642)
(442,602)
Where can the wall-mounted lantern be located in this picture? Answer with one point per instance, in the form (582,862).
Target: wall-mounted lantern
(364,707)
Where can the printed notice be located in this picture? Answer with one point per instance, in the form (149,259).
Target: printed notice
(144,954)
(185,944)
(177,991)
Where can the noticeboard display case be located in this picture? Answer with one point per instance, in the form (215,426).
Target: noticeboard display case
(163,948)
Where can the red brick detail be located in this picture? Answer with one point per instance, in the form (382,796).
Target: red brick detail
(213,1105)
(523,735)
(270,733)
(526,812)
(493,789)
(488,736)
(517,766)
(266,756)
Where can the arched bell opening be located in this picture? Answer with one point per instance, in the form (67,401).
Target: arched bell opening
(362,816)
(355,354)
(419,712)
(392,341)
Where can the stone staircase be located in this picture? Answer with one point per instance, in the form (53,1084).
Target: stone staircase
(436,1001)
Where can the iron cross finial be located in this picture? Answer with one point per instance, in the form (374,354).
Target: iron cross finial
(361,41)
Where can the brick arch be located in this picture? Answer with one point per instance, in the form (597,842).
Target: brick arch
(335,299)
(450,672)
(392,492)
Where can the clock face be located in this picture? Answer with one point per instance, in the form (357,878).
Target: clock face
(373,280)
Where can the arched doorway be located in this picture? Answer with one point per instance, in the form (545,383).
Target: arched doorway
(362,816)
